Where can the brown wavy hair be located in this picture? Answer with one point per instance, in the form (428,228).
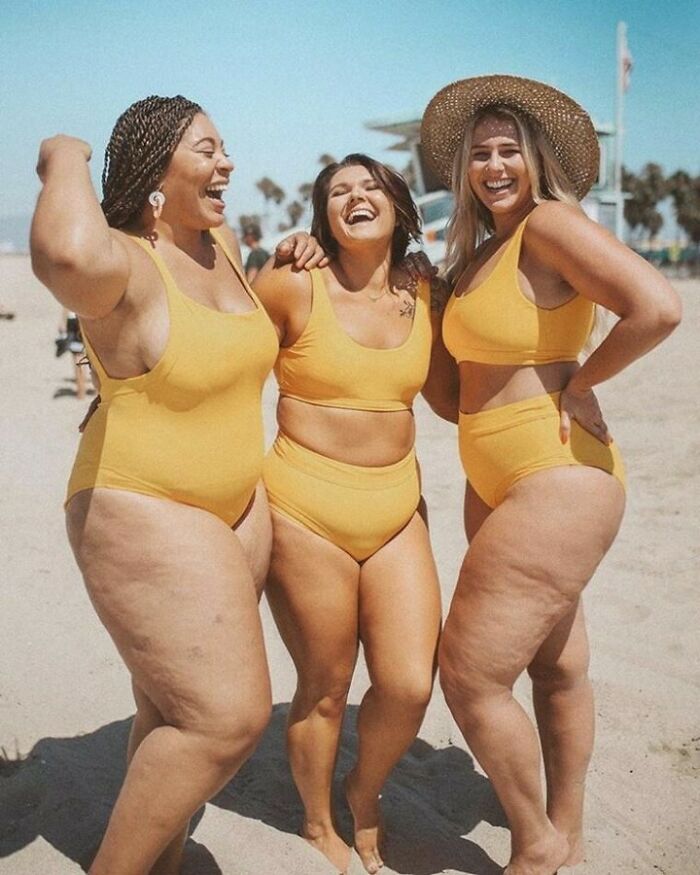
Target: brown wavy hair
(138,153)
(394,186)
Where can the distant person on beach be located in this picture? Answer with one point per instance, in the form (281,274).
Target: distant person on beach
(165,514)
(257,255)
(545,492)
(351,557)
(70,340)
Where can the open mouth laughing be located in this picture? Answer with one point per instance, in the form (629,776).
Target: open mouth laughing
(360,214)
(499,185)
(215,192)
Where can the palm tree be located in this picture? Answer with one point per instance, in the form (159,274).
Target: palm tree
(295,211)
(645,190)
(685,192)
(305,190)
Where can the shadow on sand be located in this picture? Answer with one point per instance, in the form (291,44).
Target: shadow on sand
(65,788)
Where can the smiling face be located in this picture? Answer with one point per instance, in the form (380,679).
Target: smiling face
(196,177)
(496,169)
(358,208)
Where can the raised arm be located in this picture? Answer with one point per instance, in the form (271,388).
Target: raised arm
(74,252)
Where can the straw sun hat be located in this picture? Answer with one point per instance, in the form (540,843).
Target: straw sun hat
(566,125)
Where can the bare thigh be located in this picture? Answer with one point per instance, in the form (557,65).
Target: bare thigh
(313,592)
(526,567)
(475,512)
(172,585)
(400,611)
(254,532)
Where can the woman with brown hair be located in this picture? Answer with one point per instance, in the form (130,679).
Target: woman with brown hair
(351,558)
(164,512)
(545,492)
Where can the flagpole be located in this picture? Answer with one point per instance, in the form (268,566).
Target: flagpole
(619,129)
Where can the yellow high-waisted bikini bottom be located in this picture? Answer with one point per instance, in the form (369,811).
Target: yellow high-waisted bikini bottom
(502,445)
(358,508)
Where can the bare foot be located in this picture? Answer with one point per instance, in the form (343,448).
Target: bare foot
(329,843)
(543,858)
(367,818)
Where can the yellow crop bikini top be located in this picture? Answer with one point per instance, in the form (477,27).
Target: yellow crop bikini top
(496,324)
(326,366)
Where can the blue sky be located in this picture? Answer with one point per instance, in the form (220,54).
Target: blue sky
(287,81)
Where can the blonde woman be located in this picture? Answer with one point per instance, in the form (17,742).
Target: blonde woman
(545,492)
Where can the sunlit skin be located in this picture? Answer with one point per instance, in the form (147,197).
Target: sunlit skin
(517,603)
(324,602)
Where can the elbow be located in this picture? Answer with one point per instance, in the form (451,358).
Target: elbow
(51,256)
(46,264)
(657,318)
(667,315)
(448,411)
(670,314)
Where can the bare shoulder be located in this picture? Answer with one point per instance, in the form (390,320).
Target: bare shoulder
(229,236)
(144,283)
(558,230)
(140,264)
(553,220)
(282,289)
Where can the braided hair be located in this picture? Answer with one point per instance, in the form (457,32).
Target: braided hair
(139,151)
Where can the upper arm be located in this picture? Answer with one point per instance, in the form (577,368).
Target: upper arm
(285,294)
(441,389)
(90,285)
(594,262)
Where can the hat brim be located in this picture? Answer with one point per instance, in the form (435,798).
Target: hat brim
(567,126)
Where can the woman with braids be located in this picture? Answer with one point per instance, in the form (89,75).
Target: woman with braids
(351,558)
(164,512)
(545,492)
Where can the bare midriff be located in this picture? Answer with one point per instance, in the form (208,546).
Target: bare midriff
(484,386)
(357,437)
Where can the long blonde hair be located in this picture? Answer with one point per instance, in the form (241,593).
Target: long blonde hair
(471,222)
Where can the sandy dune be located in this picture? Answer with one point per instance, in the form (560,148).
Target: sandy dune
(65,701)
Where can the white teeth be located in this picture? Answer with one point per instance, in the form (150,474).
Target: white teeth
(360,213)
(495,186)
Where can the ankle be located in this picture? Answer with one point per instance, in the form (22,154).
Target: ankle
(317,828)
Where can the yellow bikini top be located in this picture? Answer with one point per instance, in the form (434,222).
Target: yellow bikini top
(496,324)
(326,366)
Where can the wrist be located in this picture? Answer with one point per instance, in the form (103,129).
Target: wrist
(578,388)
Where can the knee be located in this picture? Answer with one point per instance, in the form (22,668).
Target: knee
(327,696)
(559,676)
(412,691)
(232,734)
(464,682)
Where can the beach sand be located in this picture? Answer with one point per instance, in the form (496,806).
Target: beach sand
(65,701)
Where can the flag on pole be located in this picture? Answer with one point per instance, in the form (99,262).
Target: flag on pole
(626,62)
